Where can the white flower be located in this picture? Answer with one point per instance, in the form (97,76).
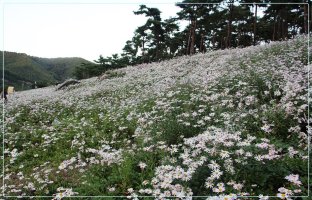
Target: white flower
(294,178)
(282,195)
(111,189)
(209,184)
(213,165)
(297,191)
(277,93)
(142,165)
(145,182)
(121,128)
(66,192)
(220,188)
(266,128)
(238,186)
(216,174)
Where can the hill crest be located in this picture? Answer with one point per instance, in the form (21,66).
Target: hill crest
(22,70)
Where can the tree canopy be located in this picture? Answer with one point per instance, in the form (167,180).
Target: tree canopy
(218,25)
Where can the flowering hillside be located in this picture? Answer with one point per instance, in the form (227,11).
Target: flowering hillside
(227,123)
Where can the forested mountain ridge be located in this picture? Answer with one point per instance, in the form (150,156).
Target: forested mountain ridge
(22,70)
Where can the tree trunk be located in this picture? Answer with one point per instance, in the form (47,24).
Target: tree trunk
(286,28)
(281,28)
(143,48)
(279,25)
(229,32)
(285,24)
(192,49)
(274,29)
(189,40)
(305,7)
(201,47)
(238,37)
(255,25)
(310,18)
(225,42)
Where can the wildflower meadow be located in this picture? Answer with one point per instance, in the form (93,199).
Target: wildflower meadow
(227,124)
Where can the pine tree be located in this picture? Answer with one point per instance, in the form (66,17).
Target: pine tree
(154,24)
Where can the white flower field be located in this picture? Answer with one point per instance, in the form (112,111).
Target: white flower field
(225,124)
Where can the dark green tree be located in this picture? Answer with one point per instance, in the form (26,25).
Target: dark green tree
(171,39)
(154,25)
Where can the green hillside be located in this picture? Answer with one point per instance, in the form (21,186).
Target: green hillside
(22,70)
(61,68)
(229,124)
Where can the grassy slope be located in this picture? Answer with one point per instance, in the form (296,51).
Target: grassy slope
(224,122)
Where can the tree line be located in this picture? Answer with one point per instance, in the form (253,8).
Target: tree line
(220,24)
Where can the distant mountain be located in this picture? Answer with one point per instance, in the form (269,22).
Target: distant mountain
(22,70)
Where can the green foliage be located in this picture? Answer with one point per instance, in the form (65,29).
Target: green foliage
(102,65)
(217,26)
(114,74)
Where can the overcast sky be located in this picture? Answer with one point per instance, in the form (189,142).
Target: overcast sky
(67,28)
